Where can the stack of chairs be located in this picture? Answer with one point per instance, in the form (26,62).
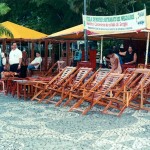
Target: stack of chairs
(113,92)
(94,97)
(131,94)
(91,84)
(72,82)
(77,80)
(110,90)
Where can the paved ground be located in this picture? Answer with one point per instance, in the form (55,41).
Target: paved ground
(26,125)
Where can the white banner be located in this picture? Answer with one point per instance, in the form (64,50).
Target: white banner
(131,21)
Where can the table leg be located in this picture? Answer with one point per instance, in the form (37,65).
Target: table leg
(25,95)
(18,91)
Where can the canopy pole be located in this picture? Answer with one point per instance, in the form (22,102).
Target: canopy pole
(46,54)
(147,49)
(59,50)
(85,36)
(20,44)
(39,49)
(72,53)
(101,60)
(0,59)
(28,53)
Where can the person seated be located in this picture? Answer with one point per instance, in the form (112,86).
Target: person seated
(36,62)
(130,56)
(114,61)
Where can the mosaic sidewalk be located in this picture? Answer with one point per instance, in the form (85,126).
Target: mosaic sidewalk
(26,125)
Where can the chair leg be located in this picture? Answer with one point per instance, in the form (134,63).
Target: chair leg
(77,104)
(106,108)
(122,110)
(36,95)
(3,85)
(88,108)
(49,99)
(60,101)
(42,98)
(4,88)
(68,101)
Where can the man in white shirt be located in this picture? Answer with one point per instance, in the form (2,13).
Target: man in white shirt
(15,58)
(36,62)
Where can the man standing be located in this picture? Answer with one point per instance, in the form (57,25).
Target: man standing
(15,58)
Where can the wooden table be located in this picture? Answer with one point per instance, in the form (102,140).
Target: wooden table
(10,85)
(25,88)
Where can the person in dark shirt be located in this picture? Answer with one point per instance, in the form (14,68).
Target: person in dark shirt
(24,64)
(130,57)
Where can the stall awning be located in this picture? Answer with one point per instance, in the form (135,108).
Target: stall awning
(19,31)
(70,33)
(76,33)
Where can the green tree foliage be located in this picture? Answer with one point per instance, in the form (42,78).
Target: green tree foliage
(50,16)
(47,16)
(139,4)
(4,9)
(107,7)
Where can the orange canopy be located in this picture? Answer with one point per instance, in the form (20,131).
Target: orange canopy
(19,31)
(77,33)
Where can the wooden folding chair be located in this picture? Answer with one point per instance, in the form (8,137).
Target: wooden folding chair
(132,89)
(42,88)
(57,67)
(96,96)
(95,79)
(92,83)
(147,91)
(137,94)
(127,73)
(76,80)
(129,70)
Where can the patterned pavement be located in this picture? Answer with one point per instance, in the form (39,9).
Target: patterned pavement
(26,125)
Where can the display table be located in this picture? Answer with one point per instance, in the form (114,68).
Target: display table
(10,85)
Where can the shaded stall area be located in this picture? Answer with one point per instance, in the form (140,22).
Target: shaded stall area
(28,40)
(139,39)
